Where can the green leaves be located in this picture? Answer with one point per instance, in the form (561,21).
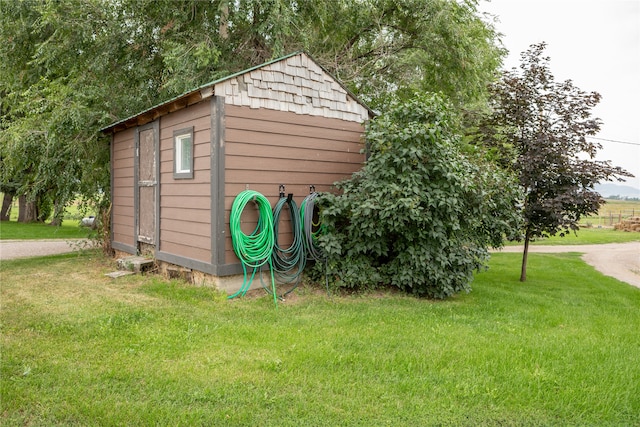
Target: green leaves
(420,215)
(71,67)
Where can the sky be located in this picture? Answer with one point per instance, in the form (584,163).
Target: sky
(594,43)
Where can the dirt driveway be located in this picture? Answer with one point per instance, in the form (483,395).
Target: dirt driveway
(619,260)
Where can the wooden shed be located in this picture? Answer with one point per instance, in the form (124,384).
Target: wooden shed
(177,167)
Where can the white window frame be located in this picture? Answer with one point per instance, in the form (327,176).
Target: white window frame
(179,171)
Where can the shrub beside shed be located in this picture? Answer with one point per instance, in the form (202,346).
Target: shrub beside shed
(176,167)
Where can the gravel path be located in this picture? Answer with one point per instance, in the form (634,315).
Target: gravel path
(12,249)
(619,260)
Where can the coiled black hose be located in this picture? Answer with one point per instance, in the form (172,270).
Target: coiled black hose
(313,250)
(288,263)
(307,208)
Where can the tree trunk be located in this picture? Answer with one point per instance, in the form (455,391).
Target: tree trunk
(58,212)
(223,29)
(27,211)
(5,213)
(525,254)
(22,207)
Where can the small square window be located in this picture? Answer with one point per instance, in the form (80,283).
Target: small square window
(183,153)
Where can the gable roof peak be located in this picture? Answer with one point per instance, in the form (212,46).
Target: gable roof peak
(296,81)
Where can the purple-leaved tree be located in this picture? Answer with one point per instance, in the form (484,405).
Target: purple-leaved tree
(540,129)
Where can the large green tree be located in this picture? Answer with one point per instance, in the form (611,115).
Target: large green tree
(380,47)
(539,129)
(374,46)
(58,91)
(71,67)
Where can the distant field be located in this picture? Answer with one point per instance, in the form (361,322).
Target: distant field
(616,205)
(612,212)
(587,236)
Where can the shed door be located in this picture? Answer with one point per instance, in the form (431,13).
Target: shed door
(147,184)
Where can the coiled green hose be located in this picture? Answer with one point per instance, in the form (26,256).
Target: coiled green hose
(253,250)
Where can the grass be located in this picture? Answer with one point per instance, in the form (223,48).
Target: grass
(70,228)
(10,230)
(82,349)
(588,236)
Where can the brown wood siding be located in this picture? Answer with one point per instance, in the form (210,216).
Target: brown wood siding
(123,187)
(185,204)
(266,148)
(186,251)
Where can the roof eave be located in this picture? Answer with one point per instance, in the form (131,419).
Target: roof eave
(178,102)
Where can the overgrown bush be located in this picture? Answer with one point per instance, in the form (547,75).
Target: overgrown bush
(419,215)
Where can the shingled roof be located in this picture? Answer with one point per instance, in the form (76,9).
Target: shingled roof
(294,83)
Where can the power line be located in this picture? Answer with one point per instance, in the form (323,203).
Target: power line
(613,140)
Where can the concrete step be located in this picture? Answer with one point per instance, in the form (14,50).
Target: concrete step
(120,273)
(137,264)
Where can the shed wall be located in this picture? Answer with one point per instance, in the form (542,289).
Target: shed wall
(266,148)
(185,204)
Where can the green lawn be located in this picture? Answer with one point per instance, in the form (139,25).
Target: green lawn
(82,349)
(589,236)
(11,230)
(70,229)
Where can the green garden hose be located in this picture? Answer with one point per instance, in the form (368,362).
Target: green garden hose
(313,250)
(307,208)
(253,250)
(288,263)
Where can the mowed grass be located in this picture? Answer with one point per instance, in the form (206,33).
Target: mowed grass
(79,348)
(588,236)
(70,228)
(11,230)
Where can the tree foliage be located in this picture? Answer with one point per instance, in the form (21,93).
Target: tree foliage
(373,46)
(57,94)
(383,46)
(71,67)
(539,129)
(419,215)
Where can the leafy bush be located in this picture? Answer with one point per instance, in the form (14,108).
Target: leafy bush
(419,215)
